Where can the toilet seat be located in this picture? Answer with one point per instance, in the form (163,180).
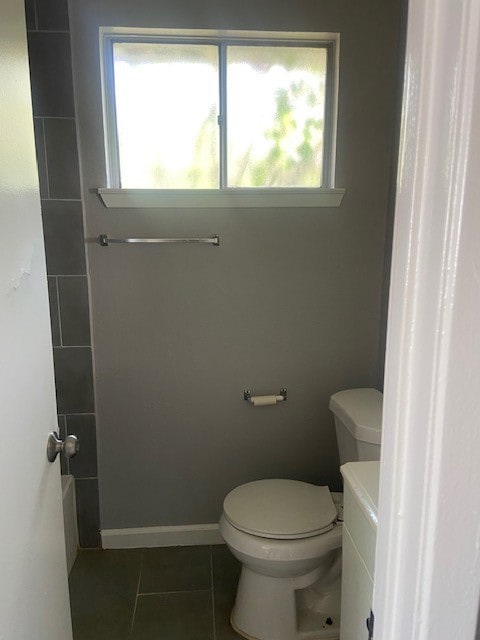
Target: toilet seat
(280,509)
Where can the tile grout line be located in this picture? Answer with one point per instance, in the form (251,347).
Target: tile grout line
(59,118)
(36,14)
(59,317)
(172,593)
(136,597)
(44,133)
(212,584)
(73,346)
(59,199)
(48,30)
(77,413)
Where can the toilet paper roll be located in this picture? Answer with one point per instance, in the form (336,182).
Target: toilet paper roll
(265,401)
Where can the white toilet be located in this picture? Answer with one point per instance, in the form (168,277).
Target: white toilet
(288,536)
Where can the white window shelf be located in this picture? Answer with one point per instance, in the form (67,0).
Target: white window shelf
(220,199)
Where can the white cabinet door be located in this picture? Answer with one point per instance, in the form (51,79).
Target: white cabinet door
(357,592)
(34,600)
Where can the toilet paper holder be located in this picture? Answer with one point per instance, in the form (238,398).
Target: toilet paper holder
(247,394)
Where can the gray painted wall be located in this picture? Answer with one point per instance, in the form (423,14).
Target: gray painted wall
(291,298)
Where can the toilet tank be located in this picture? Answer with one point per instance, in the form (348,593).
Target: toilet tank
(358,423)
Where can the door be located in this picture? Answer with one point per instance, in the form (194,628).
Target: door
(427,572)
(33,576)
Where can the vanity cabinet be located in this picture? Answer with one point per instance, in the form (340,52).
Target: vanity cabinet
(359,539)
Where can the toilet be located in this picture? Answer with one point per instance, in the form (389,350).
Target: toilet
(288,536)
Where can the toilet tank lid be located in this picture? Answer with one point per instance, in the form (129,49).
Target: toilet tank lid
(361,412)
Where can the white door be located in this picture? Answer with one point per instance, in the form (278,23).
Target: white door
(427,572)
(34,600)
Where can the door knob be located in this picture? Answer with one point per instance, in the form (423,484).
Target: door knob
(69,446)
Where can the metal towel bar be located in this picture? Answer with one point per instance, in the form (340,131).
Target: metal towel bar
(104,240)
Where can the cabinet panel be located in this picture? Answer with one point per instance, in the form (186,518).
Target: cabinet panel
(361,528)
(357,592)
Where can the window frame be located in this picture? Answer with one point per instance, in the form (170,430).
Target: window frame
(223,195)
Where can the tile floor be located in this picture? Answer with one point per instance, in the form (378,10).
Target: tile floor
(174,593)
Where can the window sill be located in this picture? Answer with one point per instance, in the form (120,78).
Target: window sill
(220,199)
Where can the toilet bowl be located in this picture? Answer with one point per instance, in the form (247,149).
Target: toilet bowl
(288,537)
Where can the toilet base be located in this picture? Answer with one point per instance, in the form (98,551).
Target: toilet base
(332,633)
(266,608)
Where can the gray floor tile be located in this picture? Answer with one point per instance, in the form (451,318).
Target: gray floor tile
(103,586)
(175,569)
(226,571)
(174,616)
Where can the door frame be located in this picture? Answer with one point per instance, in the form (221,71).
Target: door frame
(427,578)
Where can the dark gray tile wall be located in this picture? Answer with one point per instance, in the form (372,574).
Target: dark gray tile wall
(52,15)
(59,178)
(73,379)
(30,14)
(73,297)
(51,76)
(83,426)
(88,510)
(62,431)
(63,233)
(54,311)
(41,156)
(62,158)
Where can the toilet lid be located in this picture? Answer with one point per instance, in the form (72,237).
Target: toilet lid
(282,509)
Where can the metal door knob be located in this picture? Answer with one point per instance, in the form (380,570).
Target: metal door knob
(69,446)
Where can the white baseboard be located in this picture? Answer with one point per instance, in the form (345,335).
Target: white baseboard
(183,535)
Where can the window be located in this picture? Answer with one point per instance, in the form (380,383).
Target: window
(201,111)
